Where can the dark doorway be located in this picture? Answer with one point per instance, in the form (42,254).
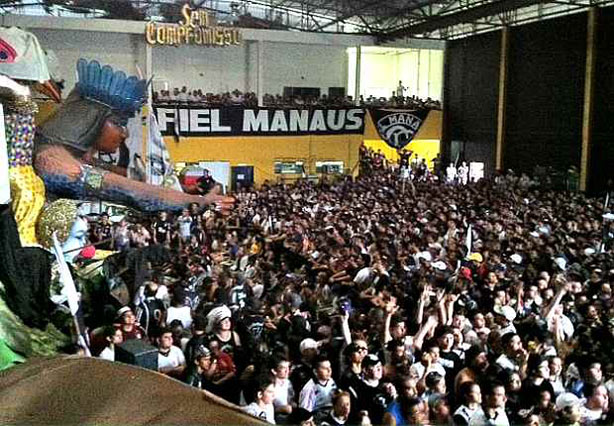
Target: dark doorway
(242,176)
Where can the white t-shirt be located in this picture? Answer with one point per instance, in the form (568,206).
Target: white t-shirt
(419,369)
(161,293)
(283,393)
(185,223)
(479,418)
(267,413)
(317,396)
(506,363)
(107,353)
(183,314)
(363,275)
(173,359)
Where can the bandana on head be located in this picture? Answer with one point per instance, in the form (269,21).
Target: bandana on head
(216,315)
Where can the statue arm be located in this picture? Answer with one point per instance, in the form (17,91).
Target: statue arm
(68,177)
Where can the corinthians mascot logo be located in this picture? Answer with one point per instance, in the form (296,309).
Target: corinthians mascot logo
(398,129)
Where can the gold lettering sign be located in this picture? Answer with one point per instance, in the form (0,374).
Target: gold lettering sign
(196,27)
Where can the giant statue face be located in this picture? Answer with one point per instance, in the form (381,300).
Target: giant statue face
(112,134)
(63,218)
(77,239)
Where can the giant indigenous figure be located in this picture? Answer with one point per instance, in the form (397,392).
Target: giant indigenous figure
(93,119)
(63,153)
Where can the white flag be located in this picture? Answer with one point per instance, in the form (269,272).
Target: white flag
(68,285)
(5,187)
(468,240)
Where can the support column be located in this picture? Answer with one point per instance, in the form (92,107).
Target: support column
(246,84)
(357,80)
(149,67)
(260,90)
(503,68)
(589,89)
(417,91)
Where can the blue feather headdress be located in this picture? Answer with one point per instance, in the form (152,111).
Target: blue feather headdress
(124,95)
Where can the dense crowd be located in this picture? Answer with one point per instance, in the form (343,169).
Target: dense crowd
(358,302)
(250,99)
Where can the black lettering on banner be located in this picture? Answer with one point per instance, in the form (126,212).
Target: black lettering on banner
(241,121)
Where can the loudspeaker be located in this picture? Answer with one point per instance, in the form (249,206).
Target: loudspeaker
(137,352)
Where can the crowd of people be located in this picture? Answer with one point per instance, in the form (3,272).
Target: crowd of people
(355,303)
(250,99)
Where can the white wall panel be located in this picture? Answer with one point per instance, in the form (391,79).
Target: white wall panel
(121,51)
(289,64)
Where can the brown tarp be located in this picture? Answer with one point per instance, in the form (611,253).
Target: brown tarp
(74,390)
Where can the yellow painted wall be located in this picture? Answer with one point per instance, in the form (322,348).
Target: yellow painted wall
(262,152)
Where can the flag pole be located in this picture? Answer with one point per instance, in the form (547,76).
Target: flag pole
(70,291)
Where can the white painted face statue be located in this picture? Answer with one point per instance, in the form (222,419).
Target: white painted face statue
(76,239)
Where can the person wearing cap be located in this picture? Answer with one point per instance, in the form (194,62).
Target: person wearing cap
(371,393)
(504,316)
(198,341)
(568,409)
(201,370)
(219,327)
(303,372)
(130,328)
(317,394)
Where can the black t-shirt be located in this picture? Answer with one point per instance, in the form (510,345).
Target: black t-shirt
(530,395)
(452,363)
(162,228)
(104,232)
(206,184)
(149,314)
(374,400)
(405,159)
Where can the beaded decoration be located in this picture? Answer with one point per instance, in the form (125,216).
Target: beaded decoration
(19,130)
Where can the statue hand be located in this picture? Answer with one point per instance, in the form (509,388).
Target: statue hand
(224,203)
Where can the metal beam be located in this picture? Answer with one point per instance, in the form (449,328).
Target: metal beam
(589,90)
(464,16)
(353,13)
(400,13)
